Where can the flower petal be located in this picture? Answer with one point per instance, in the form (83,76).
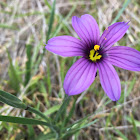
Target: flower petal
(87,29)
(113,34)
(109,80)
(124,57)
(92,27)
(66,46)
(79,77)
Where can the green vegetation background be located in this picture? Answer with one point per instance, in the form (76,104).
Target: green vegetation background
(36,76)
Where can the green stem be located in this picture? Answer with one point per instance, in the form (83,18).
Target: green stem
(37,112)
(63,106)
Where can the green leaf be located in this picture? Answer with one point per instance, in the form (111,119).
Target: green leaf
(5,26)
(135,128)
(47,3)
(63,20)
(51,20)
(76,128)
(31,131)
(130,121)
(52,110)
(11,100)
(48,136)
(28,63)
(13,75)
(70,113)
(121,134)
(48,81)
(25,121)
(62,108)
(121,11)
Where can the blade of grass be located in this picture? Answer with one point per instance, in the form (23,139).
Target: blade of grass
(11,100)
(121,11)
(62,20)
(121,134)
(135,130)
(52,110)
(47,3)
(5,26)
(70,114)
(37,112)
(14,79)
(78,128)
(51,20)
(62,108)
(25,121)
(28,64)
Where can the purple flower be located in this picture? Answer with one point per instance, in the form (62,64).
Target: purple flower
(97,53)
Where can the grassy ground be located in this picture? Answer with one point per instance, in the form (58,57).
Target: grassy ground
(36,76)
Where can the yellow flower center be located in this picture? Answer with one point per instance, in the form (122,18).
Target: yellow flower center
(94,55)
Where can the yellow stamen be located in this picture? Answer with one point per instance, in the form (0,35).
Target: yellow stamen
(94,55)
(96,47)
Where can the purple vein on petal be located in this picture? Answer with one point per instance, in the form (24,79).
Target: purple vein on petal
(78,76)
(75,67)
(105,33)
(109,82)
(109,78)
(86,38)
(79,31)
(124,57)
(112,34)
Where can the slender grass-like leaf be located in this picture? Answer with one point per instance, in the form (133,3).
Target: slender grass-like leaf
(27,121)
(77,128)
(9,96)
(121,11)
(70,114)
(52,110)
(13,75)
(51,20)
(48,81)
(11,100)
(12,103)
(135,130)
(48,136)
(5,26)
(130,121)
(47,3)
(62,108)
(121,134)
(63,20)
(28,63)
(21,120)
(130,88)
(31,132)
